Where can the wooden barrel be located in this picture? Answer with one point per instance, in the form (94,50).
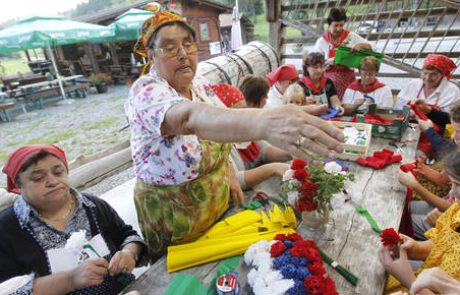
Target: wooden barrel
(255,58)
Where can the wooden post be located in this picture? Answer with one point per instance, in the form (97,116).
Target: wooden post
(113,52)
(89,51)
(273,18)
(27,55)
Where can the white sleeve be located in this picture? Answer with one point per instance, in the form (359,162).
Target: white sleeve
(348,96)
(321,46)
(404,96)
(386,97)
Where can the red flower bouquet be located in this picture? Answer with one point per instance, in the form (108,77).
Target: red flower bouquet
(391,239)
(312,187)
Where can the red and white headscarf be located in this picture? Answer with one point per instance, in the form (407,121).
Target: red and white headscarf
(17,159)
(228,94)
(444,64)
(284,73)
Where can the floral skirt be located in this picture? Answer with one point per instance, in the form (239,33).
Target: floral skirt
(177,214)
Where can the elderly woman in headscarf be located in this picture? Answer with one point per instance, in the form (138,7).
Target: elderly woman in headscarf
(38,231)
(180,133)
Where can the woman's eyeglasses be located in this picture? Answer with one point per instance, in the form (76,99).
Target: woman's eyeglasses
(172,50)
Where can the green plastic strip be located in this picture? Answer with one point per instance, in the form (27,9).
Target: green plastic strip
(350,277)
(225,266)
(253,205)
(363,211)
(183,284)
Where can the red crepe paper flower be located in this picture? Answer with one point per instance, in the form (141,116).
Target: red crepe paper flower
(390,237)
(308,189)
(296,237)
(330,288)
(316,268)
(300,175)
(306,244)
(315,285)
(298,164)
(280,237)
(277,249)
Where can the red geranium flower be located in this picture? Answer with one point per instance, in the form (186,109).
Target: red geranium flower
(300,175)
(298,164)
(277,249)
(304,204)
(308,189)
(390,237)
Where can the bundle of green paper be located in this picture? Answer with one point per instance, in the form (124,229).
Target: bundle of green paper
(352,60)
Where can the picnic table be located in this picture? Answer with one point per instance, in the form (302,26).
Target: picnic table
(348,238)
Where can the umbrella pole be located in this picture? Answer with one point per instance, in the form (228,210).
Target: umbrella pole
(58,76)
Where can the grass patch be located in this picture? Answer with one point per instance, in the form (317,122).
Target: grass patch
(55,138)
(3,157)
(105,123)
(14,66)
(261,30)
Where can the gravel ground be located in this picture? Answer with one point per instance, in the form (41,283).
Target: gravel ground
(110,182)
(84,127)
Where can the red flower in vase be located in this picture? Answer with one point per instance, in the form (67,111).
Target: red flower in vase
(390,237)
(300,175)
(304,204)
(308,189)
(298,164)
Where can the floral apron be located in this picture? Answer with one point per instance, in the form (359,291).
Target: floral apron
(176,214)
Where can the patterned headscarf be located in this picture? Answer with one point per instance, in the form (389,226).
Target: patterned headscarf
(150,26)
(17,159)
(444,64)
(229,95)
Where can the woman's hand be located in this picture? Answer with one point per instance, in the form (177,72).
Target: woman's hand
(424,124)
(436,280)
(360,46)
(310,100)
(298,131)
(433,216)
(422,105)
(329,62)
(342,110)
(400,268)
(236,193)
(122,262)
(407,179)
(91,272)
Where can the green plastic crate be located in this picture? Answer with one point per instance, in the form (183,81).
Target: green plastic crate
(394,131)
(352,60)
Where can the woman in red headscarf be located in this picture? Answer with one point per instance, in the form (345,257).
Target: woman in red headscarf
(37,231)
(433,86)
(254,161)
(334,37)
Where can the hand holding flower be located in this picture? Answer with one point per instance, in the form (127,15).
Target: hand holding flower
(122,262)
(400,268)
(407,178)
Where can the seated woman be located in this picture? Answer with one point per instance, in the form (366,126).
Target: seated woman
(368,89)
(254,161)
(442,248)
(295,95)
(319,89)
(43,218)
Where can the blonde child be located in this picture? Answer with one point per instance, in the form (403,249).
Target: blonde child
(294,94)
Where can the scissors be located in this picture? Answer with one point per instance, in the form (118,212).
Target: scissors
(399,145)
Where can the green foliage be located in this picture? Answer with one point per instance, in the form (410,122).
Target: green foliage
(99,78)
(14,66)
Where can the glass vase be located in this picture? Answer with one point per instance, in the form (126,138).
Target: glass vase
(315,220)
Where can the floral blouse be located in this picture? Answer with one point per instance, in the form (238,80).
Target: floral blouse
(162,160)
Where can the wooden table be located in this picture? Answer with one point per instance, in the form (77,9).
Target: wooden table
(348,237)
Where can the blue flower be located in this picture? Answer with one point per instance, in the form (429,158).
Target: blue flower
(280,261)
(288,243)
(289,271)
(298,289)
(302,273)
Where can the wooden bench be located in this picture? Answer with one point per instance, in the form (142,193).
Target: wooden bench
(37,96)
(4,106)
(79,89)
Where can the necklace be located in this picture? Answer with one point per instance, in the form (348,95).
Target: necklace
(65,215)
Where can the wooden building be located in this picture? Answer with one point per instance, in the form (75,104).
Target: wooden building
(247,28)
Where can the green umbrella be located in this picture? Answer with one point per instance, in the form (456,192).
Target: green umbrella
(128,25)
(43,31)
(46,31)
